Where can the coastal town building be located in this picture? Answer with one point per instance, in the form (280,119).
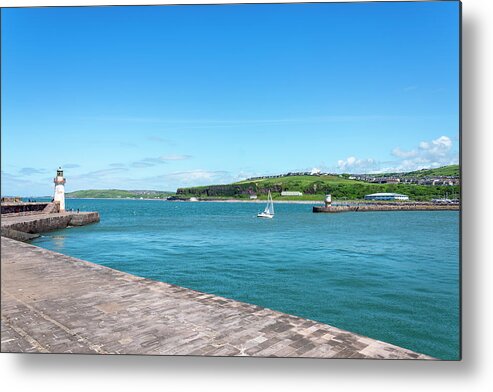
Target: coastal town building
(291,193)
(386,196)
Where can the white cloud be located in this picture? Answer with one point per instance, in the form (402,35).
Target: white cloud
(28,171)
(99,174)
(141,164)
(159,139)
(174,180)
(71,166)
(150,161)
(428,154)
(16,185)
(353,164)
(397,152)
(438,147)
(175,157)
(199,177)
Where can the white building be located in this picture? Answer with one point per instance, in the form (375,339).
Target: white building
(291,193)
(386,196)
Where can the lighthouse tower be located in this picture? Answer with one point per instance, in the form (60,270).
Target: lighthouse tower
(60,189)
(328,200)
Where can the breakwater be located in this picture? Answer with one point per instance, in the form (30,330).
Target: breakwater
(24,227)
(58,304)
(387,207)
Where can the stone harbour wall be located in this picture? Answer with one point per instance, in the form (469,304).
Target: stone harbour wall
(388,207)
(84,218)
(40,223)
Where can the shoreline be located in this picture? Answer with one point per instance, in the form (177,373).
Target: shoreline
(202,201)
(349,203)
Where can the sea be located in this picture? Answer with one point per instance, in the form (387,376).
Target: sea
(392,276)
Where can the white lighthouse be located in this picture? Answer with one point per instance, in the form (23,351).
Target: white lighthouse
(328,200)
(60,189)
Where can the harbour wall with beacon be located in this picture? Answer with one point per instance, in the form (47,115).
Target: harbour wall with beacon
(24,221)
(329,207)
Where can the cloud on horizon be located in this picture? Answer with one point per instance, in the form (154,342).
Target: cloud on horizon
(70,166)
(98,174)
(352,164)
(13,185)
(173,180)
(29,171)
(428,154)
(159,139)
(150,161)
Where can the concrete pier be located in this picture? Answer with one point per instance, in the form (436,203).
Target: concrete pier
(53,303)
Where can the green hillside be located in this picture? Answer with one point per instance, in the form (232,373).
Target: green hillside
(296,182)
(444,171)
(118,194)
(449,171)
(314,187)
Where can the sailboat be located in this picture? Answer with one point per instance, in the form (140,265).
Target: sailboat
(269,209)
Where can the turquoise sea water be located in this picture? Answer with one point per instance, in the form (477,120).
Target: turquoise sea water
(392,276)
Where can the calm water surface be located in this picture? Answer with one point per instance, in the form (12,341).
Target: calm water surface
(393,276)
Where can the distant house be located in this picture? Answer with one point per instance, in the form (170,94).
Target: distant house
(386,180)
(291,193)
(253,197)
(386,196)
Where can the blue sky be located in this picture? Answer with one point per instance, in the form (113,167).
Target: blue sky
(162,97)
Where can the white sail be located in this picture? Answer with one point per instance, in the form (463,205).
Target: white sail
(269,208)
(270,205)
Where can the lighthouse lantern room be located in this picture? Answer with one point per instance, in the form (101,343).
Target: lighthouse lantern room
(60,189)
